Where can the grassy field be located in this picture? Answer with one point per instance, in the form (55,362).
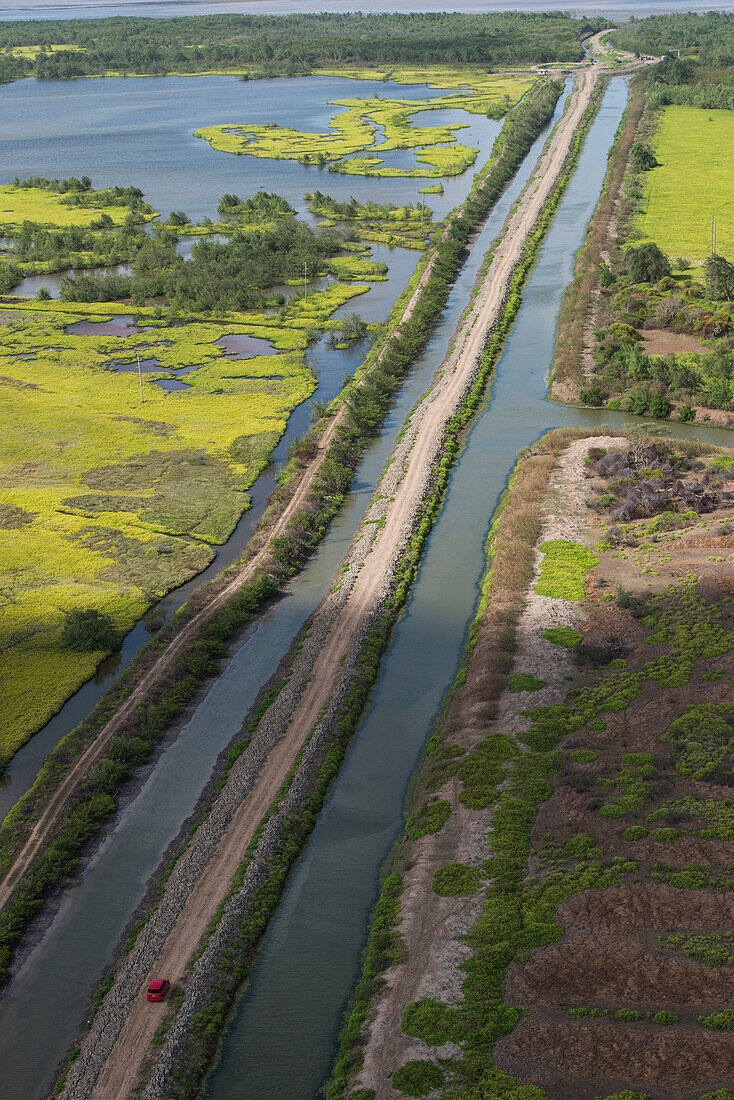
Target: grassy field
(354,131)
(695,180)
(97,489)
(33,204)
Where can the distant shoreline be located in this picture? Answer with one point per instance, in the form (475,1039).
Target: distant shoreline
(621,10)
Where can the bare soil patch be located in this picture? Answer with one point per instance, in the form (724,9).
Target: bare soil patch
(658,341)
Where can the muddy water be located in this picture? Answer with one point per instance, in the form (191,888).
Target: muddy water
(282,1036)
(41,1011)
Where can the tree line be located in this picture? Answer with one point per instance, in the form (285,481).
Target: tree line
(710,36)
(295,43)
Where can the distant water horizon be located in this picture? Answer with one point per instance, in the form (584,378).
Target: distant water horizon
(94,9)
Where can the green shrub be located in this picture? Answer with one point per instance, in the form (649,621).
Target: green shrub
(455,880)
(625,1094)
(629,1015)
(666,1018)
(564,636)
(89,630)
(583,756)
(428,819)
(719,1021)
(635,832)
(521,681)
(666,836)
(481,770)
(417,1078)
(434,1022)
(563,569)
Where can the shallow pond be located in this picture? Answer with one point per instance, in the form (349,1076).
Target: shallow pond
(238,345)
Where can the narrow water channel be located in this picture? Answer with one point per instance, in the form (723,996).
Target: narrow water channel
(42,1009)
(281,1040)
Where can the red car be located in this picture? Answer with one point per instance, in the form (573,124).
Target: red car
(158,988)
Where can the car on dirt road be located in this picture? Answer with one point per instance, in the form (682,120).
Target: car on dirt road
(158,988)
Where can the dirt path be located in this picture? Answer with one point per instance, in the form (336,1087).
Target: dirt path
(132,1048)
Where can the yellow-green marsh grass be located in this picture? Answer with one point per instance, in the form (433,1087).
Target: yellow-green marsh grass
(95,487)
(496,91)
(695,181)
(352,267)
(33,51)
(33,204)
(355,130)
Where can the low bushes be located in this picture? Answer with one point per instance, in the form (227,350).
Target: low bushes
(563,569)
(455,880)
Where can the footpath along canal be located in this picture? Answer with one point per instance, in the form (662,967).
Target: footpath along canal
(281,1039)
(42,1010)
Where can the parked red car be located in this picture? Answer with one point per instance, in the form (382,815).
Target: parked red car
(158,988)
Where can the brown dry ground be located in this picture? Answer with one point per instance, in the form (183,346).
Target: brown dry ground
(133,1046)
(659,341)
(612,955)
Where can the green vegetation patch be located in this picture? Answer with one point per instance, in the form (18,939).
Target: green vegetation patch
(417,1078)
(563,569)
(520,681)
(45,207)
(703,740)
(482,769)
(713,948)
(455,880)
(564,636)
(433,1021)
(428,819)
(691,145)
(354,131)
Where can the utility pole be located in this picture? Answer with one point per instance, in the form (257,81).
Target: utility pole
(305,279)
(140,379)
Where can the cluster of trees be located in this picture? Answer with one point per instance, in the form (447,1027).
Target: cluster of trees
(709,97)
(690,84)
(297,43)
(711,35)
(352,209)
(231,274)
(32,242)
(74,246)
(648,383)
(58,187)
(79,192)
(263,206)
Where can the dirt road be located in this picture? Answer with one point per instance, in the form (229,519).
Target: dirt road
(132,1047)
